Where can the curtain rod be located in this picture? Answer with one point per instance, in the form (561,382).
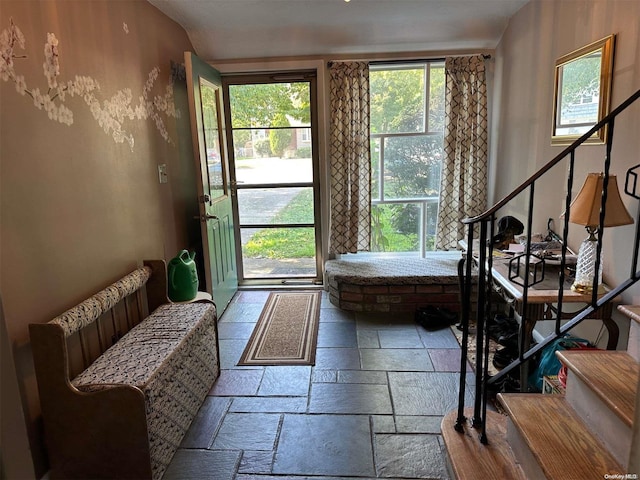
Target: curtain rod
(486,56)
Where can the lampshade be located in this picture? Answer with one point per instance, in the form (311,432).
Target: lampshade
(585,208)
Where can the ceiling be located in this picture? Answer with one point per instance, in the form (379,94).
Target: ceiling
(236,29)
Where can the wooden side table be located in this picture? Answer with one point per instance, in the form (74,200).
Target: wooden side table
(540,306)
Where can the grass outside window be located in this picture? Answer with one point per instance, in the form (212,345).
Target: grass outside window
(280,243)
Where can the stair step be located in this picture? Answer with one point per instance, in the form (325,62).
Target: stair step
(469,459)
(633,312)
(558,441)
(601,389)
(611,375)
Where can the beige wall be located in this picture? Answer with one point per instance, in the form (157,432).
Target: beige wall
(78,208)
(537,35)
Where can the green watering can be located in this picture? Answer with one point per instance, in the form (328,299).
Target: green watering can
(182,277)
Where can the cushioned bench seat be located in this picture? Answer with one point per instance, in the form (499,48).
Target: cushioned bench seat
(172,358)
(374,270)
(134,395)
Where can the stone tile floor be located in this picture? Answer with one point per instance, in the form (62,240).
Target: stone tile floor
(371,407)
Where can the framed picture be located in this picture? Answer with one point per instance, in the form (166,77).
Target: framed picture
(582,92)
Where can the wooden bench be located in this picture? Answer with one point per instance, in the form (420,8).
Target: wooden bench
(117,405)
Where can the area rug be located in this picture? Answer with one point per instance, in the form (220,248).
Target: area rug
(286,332)
(471,352)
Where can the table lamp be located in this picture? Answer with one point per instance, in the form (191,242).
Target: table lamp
(585,210)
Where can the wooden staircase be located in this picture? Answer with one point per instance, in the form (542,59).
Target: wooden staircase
(586,433)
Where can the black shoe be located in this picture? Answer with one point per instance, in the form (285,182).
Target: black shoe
(507,384)
(452,317)
(504,356)
(501,325)
(510,341)
(434,318)
(504,321)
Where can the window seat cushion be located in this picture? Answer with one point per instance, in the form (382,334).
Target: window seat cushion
(395,270)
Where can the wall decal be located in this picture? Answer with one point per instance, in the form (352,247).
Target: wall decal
(110,113)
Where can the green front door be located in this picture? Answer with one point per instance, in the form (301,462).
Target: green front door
(210,153)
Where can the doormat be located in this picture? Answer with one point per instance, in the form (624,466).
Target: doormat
(286,332)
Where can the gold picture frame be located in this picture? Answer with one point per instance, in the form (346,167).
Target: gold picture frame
(582,92)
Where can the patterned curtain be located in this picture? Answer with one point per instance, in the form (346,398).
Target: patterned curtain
(350,157)
(463,188)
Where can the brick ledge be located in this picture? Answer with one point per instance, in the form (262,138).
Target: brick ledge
(395,284)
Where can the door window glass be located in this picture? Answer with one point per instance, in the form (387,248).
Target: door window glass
(285,206)
(257,164)
(210,98)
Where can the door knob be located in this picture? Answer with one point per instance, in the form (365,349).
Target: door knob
(205,217)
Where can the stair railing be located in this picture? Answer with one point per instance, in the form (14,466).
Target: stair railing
(478,260)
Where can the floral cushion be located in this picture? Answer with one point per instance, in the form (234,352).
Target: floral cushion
(89,311)
(372,270)
(172,357)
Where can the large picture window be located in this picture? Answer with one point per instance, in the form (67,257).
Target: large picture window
(407,123)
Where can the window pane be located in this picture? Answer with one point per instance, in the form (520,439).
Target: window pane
(406,155)
(375,169)
(397,100)
(278,252)
(436,98)
(270,105)
(412,166)
(395,227)
(257,165)
(431,225)
(293,142)
(275,205)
